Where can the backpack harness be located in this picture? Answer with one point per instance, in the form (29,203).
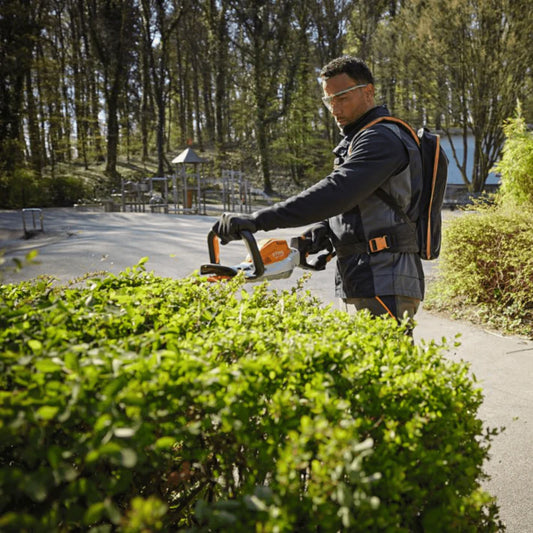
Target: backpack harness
(422,236)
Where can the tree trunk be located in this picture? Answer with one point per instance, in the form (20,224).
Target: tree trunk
(79,82)
(160,136)
(197,109)
(64,108)
(262,144)
(34,135)
(113,126)
(216,17)
(146,108)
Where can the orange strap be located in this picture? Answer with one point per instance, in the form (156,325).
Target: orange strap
(385,307)
(433,181)
(398,121)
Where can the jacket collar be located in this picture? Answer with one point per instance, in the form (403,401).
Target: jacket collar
(350,130)
(379,111)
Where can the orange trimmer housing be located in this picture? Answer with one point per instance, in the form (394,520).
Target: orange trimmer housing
(270,259)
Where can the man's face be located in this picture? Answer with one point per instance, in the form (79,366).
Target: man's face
(351,105)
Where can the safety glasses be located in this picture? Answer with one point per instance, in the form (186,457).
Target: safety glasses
(328,100)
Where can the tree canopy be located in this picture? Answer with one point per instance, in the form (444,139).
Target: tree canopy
(93,80)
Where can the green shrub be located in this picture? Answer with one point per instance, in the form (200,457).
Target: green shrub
(137,403)
(24,189)
(516,164)
(19,189)
(487,263)
(65,191)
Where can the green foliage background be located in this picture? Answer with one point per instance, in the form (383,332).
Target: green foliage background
(99,83)
(516,164)
(138,403)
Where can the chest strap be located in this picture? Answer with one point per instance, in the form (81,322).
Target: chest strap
(395,239)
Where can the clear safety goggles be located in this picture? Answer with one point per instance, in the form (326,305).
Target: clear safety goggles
(328,100)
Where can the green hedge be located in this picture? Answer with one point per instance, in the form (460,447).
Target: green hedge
(486,265)
(516,163)
(23,189)
(136,403)
(486,268)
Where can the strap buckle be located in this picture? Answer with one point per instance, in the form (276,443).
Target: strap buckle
(377,244)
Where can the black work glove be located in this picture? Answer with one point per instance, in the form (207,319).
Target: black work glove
(228,227)
(317,239)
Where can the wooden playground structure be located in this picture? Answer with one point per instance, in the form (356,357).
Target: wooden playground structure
(188,190)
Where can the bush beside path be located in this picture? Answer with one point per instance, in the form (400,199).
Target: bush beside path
(75,243)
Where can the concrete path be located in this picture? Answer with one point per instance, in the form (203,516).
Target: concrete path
(75,242)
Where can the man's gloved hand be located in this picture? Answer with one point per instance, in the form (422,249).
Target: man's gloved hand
(317,239)
(229,226)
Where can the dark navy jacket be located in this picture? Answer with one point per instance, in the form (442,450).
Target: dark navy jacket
(382,156)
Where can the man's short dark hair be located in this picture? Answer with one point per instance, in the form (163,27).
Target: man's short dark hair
(353,66)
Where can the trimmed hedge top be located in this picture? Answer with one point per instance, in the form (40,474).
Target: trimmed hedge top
(143,403)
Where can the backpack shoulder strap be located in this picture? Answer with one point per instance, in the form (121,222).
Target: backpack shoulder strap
(391,202)
(395,120)
(380,193)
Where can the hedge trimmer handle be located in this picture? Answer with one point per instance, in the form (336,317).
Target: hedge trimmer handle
(321,259)
(213,245)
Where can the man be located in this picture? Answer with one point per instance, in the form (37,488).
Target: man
(372,273)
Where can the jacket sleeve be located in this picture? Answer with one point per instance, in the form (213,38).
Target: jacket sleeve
(377,155)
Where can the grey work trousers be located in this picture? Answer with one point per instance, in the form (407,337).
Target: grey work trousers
(394,306)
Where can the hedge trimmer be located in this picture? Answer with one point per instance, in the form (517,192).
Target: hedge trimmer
(269,259)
